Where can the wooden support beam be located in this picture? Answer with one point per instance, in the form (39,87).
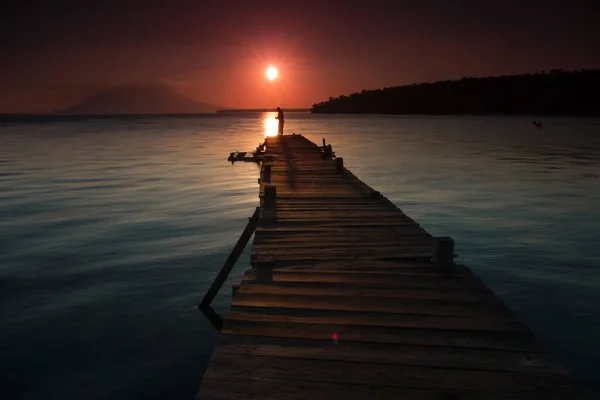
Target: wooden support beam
(269,211)
(375,194)
(270,197)
(264,268)
(266,173)
(231,260)
(214,318)
(339,165)
(443,251)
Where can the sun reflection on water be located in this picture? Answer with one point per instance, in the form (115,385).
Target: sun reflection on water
(271,125)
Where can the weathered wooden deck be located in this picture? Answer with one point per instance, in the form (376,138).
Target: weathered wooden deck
(344,301)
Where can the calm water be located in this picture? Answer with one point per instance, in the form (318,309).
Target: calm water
(112,230)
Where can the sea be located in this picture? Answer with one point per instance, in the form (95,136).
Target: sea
(113,228)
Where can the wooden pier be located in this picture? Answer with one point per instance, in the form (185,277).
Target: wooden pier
(349,298)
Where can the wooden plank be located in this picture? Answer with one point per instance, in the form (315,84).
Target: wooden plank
(498,340)
(377,319)
(347,245)
(377,268)
(396,354)
(280,229)
(333,215)
(218,386)
(383,293)
(306,254)
(344,224)
(365,266)
(357,302)
(370,209)
(349,252)
(272,235)
(315,258)
(382,279)
(441,379)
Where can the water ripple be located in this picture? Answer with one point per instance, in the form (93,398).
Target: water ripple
(111,230)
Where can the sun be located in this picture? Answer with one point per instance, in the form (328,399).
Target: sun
(271,73)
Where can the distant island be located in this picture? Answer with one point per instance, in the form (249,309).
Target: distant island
(149,99)
(555,92)
(250,110)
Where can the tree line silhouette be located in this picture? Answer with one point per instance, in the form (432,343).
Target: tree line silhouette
(554,92)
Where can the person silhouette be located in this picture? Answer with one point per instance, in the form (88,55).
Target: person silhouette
(281,119)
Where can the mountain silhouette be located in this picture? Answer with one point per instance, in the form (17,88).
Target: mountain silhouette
(153,98)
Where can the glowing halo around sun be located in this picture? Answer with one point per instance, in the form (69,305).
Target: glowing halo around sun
(271,73)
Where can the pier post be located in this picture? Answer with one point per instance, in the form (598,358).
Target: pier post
(324,144)
(267,173)
(264,268)
(443,251)
(339,165)
(375,194)
(270,203)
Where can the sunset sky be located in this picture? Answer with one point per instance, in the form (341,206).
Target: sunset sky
(55,53)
